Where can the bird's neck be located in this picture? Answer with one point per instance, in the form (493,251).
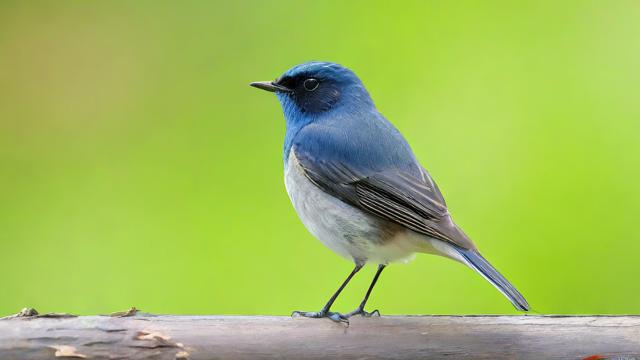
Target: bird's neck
(294,125)
(355,104)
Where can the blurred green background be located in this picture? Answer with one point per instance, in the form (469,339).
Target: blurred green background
(137,167)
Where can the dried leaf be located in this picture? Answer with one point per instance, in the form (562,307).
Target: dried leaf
(182,355)
(55,315)
(67,351)
(151,335)
(24,313)
(162,340)
(131,312)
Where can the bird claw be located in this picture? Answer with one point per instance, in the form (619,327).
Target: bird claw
(361,312)
(334,316)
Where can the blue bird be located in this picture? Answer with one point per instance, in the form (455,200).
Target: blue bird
(357,186)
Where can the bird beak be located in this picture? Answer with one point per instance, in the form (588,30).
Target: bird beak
(270,86)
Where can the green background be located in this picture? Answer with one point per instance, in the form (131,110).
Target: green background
(138,168)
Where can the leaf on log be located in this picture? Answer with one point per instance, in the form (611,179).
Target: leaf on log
(31,313)
(131,312)
(161,340)
(67,351)
(182,355)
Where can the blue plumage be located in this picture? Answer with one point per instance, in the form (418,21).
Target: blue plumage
(356,184)
(482,266)
(348,100)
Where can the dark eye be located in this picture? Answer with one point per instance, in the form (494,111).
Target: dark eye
(311,84)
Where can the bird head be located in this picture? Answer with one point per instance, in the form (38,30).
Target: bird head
(316,88)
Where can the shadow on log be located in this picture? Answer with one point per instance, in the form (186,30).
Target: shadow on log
(132,335)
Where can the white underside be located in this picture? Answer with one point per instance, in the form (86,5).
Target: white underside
(351,232)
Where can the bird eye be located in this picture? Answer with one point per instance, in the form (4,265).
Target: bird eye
(311,84)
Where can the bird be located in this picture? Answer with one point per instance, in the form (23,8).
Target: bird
(357,186)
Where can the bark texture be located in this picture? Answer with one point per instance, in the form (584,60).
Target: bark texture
(129,335)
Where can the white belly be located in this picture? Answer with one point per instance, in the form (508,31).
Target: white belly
(348,231)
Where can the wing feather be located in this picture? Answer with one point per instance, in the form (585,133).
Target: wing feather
(414,202)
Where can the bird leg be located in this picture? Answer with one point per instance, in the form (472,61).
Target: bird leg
(360,309)
(324,312)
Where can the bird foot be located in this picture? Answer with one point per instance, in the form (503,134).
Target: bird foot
(361,312)
(335,316)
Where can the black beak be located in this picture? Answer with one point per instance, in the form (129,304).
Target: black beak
(270,86)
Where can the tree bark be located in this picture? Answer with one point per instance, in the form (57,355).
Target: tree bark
(146,336)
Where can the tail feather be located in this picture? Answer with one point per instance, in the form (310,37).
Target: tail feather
(482,266)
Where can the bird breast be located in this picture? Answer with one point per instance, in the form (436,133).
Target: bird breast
(345,229)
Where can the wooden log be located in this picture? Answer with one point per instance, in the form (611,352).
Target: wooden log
(146,336)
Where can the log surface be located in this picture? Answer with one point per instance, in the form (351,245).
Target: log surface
(146,336)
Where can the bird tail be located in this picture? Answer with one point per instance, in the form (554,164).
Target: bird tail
(473,258)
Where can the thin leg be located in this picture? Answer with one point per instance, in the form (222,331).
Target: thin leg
(360,309)
(324,312)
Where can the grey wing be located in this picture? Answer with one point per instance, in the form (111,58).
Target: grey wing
(414,202)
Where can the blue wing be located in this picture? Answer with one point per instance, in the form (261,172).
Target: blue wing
(373,168)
